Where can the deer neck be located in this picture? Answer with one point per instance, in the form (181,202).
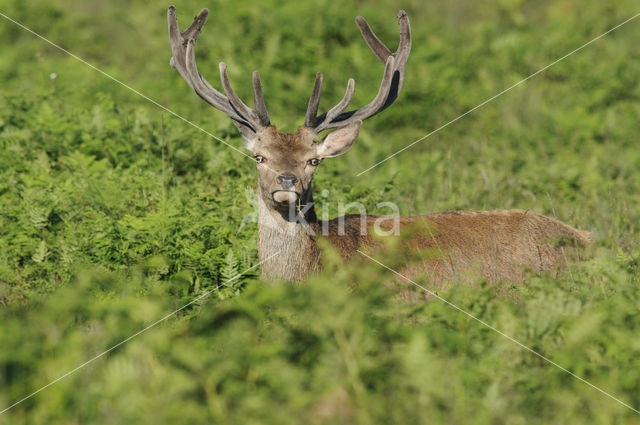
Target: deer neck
(286,239)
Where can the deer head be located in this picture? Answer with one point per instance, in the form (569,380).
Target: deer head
(286,162)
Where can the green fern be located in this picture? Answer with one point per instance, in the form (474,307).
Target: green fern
(41,253)
(229,273)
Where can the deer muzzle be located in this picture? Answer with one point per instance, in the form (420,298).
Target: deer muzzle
(285,196)
(287,189)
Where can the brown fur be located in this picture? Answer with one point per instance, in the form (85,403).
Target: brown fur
(494,245)
(450,246)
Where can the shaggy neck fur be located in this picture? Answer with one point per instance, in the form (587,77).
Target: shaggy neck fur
(286,242)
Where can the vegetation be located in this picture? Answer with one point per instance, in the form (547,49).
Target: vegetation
(114,213)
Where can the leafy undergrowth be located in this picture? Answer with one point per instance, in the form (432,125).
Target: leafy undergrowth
(333,350)
(101,186)
(114,213)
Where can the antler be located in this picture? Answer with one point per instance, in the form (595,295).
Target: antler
(184,60)
(390,86)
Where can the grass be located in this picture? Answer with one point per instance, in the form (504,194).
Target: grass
(114,213)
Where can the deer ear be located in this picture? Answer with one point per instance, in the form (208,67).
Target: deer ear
(339,141)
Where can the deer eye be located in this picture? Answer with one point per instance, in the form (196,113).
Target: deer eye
(313,162)
(259,159)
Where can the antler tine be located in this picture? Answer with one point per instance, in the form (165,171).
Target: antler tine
(327,117)
(201,86)
(184,60)
(390,85)
(383,99)
(178,38)
(379,49)
(237,104)
(404,47)
(342,105)
(181,56)
(258,100)
(314,101)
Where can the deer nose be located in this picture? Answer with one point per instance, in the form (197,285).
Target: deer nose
(286,181)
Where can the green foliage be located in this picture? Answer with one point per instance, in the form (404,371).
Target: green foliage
(324,353)
(114,213)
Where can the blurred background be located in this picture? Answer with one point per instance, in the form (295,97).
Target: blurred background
(114,213)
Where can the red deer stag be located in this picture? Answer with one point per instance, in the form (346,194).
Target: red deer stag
(498,245)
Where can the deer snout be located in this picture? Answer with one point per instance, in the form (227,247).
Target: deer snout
(286,191)
(286,181)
